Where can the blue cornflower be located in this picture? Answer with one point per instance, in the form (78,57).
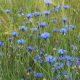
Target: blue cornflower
(78,62)
(55,30)
(47,1)
(46,13)
(23,28)
(21,42)
(76,59)
(69,64)
(29,69)
(42,24)
(50,59)
(58,66)
(61,58)
(38,75)
(29,15)
(64,19)
(68,58)
(67,27)
(63,31)
(29,48)
(14,34)
(66,6)
(10,39)
(37,14)
(66,74)
(74,49)
(45,35)
(38,59)
(62,51)
(7,11)
(73,27)
(1,44)
(34,29)
(56,9)
(54,20)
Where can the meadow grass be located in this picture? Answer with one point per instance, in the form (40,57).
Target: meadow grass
(23,60)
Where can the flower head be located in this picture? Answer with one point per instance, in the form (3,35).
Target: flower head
(42,24)
(56,9)
(68,58)
(7,11)
(64,19)
(62,51)
(23,28)
(37,14)
(38,75)
(69,64)
(34,29)
(38,59)
(47,1)
(14,34)
(29,48)
(55,30)
(50,59)
(73,27)
(46,13)
(10,39)
(67,27)
(66,6)
(45,35)
(29,15)
(58,66)
(21,42)
(63,31)
(29,69)
(61,58)
(54,21)
(1,44)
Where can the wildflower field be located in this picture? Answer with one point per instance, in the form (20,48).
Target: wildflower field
(39,39)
